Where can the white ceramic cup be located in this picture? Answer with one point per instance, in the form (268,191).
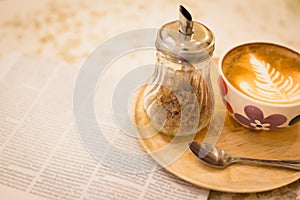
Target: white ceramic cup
(252,112)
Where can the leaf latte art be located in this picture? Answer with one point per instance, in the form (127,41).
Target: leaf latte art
(266,72)
(270,84)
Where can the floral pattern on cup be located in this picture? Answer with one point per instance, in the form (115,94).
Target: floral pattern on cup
(257,121)
(224,91)
(294,120)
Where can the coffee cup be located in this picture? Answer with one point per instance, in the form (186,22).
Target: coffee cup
(260,85)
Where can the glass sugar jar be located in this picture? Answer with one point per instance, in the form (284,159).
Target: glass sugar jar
(178,98)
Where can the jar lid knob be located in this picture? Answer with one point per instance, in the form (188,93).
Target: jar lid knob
(186,22)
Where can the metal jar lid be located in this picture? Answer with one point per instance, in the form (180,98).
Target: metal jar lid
(185,39)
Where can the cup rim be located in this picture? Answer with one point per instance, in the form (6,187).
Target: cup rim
(264,103)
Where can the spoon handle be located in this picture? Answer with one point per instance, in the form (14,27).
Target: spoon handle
(292,164)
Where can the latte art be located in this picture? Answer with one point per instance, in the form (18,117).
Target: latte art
(269,74)
(270,84)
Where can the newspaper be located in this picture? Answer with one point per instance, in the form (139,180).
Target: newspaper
(42,156)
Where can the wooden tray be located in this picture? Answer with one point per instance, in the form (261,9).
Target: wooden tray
(238,141)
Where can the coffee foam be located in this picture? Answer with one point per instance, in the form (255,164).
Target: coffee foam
(265,72)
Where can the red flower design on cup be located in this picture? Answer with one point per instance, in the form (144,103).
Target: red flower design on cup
(224,92)
(257,121)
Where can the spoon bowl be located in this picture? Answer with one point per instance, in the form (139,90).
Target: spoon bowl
(216,157)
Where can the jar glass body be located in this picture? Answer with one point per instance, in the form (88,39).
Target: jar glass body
(178,98)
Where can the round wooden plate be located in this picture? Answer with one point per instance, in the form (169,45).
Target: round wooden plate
(237,141)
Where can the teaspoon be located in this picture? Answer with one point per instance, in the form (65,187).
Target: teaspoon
(216,157)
